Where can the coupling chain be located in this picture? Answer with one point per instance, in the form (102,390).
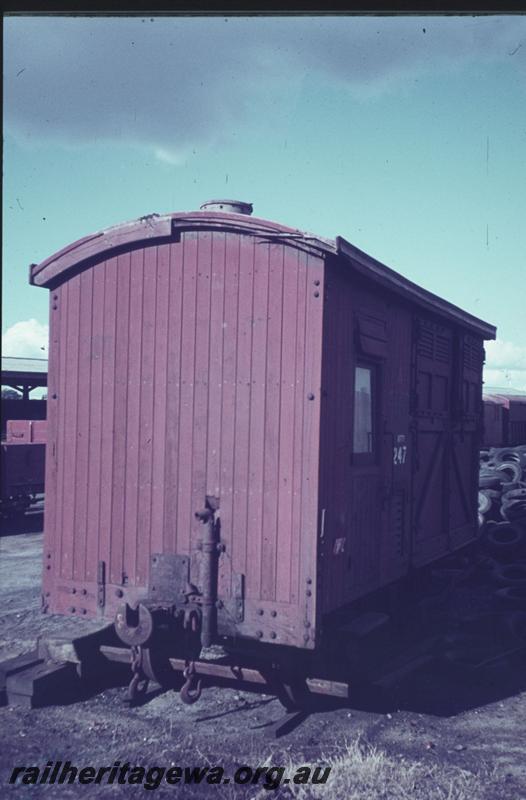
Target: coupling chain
(139,682)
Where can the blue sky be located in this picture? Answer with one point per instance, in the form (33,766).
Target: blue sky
(405,135)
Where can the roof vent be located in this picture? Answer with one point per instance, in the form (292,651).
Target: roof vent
(228,206)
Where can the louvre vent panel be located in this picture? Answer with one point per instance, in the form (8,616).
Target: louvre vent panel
(425,343)
(432,344)
(472,354)
(442,349)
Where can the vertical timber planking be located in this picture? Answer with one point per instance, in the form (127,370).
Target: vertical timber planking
(257,420)
(147,379)
(215,383)
(242,405)
(228,397)
(50,509)
(173,396)
(69,495)
(108,404)
(83,424)
(199,418)
(272,423)
(299,411)
(185,421)
(120,428)
(61,432)
(95,392)
(133,410)
(160,396)
(284,553)
(311,439)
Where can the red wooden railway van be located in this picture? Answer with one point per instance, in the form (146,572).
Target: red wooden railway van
(324,409)
(504,419)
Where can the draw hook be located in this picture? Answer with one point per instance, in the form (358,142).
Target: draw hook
(191,689)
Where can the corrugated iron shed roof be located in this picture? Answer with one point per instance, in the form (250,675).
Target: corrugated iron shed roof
(24,369)
(500,391)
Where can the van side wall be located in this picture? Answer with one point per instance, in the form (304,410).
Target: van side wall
(413,498)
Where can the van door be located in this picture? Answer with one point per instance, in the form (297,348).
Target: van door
(431,425)
(465,443)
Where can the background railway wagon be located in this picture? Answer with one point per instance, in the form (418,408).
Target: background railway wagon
(329,407)
(504,418)
(22,375)
(23,434)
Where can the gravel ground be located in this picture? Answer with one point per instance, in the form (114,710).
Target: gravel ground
(448,728)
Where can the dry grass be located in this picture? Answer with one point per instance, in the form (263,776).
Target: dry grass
(362,772)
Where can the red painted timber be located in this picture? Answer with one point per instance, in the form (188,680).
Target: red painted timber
(215,376)
(50,554)
(247,309)
(108,441)
(71,432)
(120,432)
(133,411)
(160,397)
(83,379)
(173,399)
(185,522)
(257,419)
(146,390)
(201,377)
(272,422)
(95,390)
(227,400)
(284,557)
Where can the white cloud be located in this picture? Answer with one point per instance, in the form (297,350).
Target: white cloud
(26,339)
(505,365)
(505,355)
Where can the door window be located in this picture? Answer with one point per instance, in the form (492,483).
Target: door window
(363,431)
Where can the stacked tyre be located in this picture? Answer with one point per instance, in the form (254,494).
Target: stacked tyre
(502,520)
(502,486)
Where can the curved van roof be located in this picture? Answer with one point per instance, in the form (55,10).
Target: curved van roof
(154,229)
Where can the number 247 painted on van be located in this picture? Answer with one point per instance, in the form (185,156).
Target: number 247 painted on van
(399,454)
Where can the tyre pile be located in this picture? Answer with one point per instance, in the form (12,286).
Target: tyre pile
(502,485)
(502,520)
(493,636)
